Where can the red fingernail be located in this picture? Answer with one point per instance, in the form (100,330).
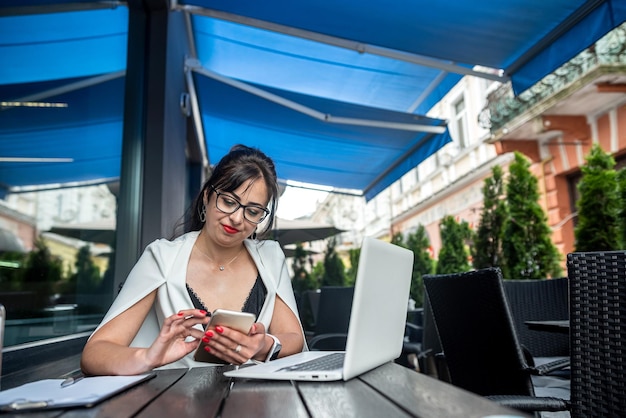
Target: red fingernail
(180,314)
(202,311)
(219,329)
(206,339)
(207,348)
(209,334)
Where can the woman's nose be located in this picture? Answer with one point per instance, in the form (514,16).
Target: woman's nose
(238,215)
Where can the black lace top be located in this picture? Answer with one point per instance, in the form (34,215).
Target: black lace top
(253,303)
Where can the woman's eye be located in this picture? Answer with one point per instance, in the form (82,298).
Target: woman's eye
(253,212)
(229,202)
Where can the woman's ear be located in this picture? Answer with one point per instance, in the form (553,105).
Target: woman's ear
(205,197)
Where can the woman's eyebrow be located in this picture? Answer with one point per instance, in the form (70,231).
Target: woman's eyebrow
(236,196)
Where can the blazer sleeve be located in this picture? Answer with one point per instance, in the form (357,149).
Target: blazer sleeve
(148,274)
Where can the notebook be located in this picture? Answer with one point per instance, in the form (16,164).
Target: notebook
(377,322)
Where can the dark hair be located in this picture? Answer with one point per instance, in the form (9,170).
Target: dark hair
(241,164)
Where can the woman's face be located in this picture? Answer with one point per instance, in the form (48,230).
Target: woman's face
(229,229)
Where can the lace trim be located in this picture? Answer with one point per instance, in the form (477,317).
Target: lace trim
(197,298)
(253,291)
(257,289)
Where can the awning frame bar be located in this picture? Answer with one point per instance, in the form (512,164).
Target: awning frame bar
(195,66)
(360,47)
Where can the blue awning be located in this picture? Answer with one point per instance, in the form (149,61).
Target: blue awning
(265,72)
(352,154)
(525,39)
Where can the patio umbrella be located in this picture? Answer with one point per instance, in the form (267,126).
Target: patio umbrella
(102,231)
(290,250)
(285,231)
(288,231)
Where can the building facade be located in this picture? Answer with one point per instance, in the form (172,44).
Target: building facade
(554,123)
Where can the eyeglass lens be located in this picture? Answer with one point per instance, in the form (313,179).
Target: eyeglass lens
(229,205)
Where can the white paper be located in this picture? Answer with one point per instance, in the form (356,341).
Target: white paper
(84,392)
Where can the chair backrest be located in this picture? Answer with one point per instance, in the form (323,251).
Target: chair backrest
(598,333)
(313,299)
(333,318)
(430,342)
(307,302)
(430,339)
(333,311)
(540,300)
(477,334)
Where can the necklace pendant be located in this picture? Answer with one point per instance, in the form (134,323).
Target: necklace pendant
(221,268)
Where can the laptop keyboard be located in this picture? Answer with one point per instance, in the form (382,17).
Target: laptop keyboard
(330,362)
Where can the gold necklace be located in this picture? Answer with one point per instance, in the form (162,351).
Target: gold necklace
(221,267)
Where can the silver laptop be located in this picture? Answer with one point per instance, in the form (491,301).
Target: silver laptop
(377,323)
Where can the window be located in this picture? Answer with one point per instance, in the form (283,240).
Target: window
(459,123)
(56,278)
(56,274)
(396,189)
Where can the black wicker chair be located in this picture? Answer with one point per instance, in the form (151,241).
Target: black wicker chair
(479,341)
(420,353)
(542,300)
(598,333)
(332,319)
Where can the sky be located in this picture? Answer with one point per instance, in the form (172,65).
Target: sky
(297,202)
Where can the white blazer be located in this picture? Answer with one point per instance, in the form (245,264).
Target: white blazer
(163,266)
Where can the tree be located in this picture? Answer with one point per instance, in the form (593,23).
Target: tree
(302,280)
(487,248)
(354,254)
(527,245)
(597,228)
(454,255)
(317,272)
(10,271)
(41,272)
(423,263)
(334,269)
(398,239)
(86,278)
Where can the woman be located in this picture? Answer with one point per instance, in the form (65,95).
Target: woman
(158,317)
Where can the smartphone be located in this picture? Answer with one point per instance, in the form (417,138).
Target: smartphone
(240,321)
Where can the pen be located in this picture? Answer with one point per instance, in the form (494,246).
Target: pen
(24,404)
(70,380)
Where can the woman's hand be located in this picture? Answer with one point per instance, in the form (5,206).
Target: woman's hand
(233,346)
(173,342)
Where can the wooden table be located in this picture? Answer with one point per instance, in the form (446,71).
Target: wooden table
(559,326)
(388,391)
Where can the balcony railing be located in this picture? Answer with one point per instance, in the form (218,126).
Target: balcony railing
(609,53)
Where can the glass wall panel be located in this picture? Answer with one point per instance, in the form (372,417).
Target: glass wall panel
(61,127)
(56,269)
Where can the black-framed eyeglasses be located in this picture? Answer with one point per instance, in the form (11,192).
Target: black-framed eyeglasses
(226,203)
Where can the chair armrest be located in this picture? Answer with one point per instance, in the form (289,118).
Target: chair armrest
(550,367)
(334,341)
(442,367)
(530,403)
